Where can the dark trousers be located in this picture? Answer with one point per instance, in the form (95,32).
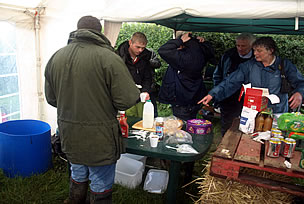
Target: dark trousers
(185,112)
(230,109)
(153,97)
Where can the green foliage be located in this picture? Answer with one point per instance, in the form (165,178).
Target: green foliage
(164,110)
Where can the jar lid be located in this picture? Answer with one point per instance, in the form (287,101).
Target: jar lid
(159,119)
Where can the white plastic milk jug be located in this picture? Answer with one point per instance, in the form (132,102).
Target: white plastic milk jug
(148,115)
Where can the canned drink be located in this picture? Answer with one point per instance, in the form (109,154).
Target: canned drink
(301,164)
(289,147)
(273,147)
(275,132)
(281,138)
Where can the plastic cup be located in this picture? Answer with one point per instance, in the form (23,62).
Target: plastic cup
(154,140)
(143,97)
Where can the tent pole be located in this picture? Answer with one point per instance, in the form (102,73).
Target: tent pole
(297,23)
(38,64)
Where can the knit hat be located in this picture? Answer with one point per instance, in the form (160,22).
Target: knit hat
(89,22)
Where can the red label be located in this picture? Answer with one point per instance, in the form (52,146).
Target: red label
(124,131)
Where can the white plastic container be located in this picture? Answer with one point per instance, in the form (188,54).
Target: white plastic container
(156,181)
(128,172)
(148,115)
(136,157)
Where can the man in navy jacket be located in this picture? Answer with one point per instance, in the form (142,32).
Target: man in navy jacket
(183,85)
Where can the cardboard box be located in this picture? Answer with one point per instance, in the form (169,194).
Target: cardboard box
(255,99)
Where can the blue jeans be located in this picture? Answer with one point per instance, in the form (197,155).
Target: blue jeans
(101,177)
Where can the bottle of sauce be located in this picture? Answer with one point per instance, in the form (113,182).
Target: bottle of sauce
(267,123)
(123,124)
(259,122)
(160,127)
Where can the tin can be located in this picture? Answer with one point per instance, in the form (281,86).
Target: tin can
(289,147)
(273,147)
(275,132)
(301,164)
(282,142)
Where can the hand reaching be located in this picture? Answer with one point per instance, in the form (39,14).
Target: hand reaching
(206,100)
(295,100)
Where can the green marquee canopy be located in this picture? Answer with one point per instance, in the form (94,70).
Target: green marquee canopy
(231,25)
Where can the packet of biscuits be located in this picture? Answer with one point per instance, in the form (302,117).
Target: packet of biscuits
(172,124)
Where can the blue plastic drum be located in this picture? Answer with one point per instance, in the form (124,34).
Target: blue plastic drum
(25,147)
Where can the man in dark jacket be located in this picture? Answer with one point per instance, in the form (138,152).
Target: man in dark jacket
(231,107)
(88,83)
(183,85)
(141,65)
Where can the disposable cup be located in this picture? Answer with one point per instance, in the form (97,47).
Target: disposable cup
(143,97)
(154,140)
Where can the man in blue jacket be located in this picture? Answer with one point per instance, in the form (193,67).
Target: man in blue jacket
(231,107)
(182,84)
(263,72)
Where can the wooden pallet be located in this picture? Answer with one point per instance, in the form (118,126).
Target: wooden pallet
(238,150)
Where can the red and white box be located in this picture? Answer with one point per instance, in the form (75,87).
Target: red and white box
(257,98)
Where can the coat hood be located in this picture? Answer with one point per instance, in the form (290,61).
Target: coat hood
(90,35)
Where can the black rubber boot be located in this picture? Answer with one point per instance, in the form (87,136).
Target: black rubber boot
(101,198)
(78,192)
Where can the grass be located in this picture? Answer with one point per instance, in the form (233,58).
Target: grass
(52,187)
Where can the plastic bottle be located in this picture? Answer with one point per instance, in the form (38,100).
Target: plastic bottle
(159,126)
(148,114)
(259,122)
(267,123)
(123,124)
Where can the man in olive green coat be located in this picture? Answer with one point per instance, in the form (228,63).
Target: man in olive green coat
(89,83)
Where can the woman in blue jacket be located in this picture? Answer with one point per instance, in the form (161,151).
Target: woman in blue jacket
(263,72)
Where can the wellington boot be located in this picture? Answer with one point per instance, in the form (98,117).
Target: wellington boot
(78,192)
(101,198)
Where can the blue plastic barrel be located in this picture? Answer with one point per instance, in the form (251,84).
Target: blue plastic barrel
(25,147)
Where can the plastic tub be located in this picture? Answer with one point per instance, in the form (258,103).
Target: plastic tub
(136,157)
(25,147)
(199,126)
(156,181)
(128,172)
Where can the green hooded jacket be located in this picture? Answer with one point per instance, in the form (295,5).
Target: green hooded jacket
(89,83)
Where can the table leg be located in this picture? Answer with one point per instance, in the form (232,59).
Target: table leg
(173,181)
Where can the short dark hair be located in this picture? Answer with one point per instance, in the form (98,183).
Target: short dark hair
(139,37)
(266,42)
(89,22)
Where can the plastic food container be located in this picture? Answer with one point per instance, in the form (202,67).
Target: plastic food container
(128,172)
(199,126)
(156,181)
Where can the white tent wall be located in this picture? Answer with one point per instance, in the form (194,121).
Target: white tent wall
(25,60)
(26,63)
